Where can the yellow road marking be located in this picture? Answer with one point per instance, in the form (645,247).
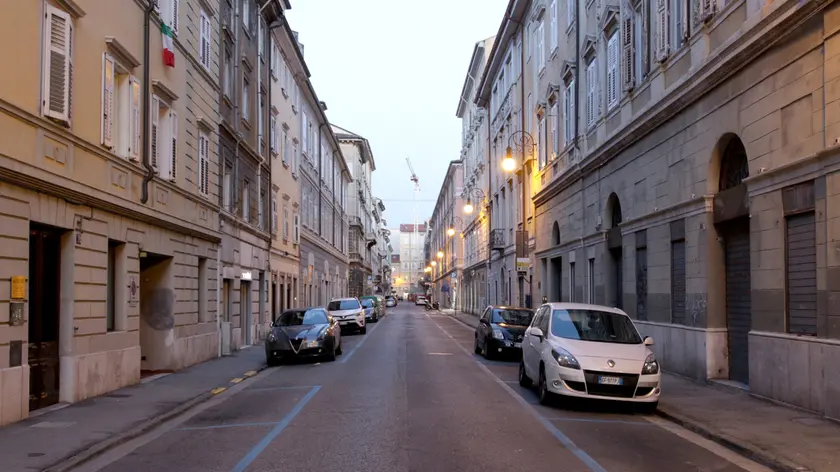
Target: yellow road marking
(250,373)
(217,391)
(237,380)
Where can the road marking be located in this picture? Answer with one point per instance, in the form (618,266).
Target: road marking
(250,373)
(237,380)
(291,387)
(222,426)
(357,346)
(593,420)
(264,442)
(440,353)
(591,463)
(218,390)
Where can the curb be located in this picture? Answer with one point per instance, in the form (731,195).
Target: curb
(774,463)
(91,452)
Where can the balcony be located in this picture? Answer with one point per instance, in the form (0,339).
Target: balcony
(355,221)
(497,239)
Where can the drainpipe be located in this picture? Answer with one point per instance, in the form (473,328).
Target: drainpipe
(524,173)
(490,211)
(150,171)
(577,74)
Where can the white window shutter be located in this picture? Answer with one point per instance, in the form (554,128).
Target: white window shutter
(58,68)
(134,145)
(107,130)
(156,4)
(297,229)
(590,94)
(176,7)
(274,214)
(611,69)
(663,42)
(173,156)
(204,40)
(203,164)
(570,11)
(686,9)
(707,9)
(628,50)
(553,24)
(154,132)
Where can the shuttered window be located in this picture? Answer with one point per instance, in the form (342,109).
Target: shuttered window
(628,48)
(204,40)
(553,30)
(204,164)
(678,282)
(801,268)
(612,71)
(58,65)
(274,215)
(541,46)
(134,127)
(154,132)
(662,30)
(592,92)
(569,118)
(108,107)
(172,152)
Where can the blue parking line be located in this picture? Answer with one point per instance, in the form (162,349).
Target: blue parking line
(222,426)
(357,346)
(592,420)
(264,442)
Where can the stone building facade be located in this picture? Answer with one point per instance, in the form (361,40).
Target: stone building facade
(688,178)
(446,239)
(109,226)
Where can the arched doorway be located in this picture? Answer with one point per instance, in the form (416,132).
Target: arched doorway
(731,217)
(616,252)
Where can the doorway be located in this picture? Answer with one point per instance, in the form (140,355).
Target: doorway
(615,247)
(44,315)
(555,283)
(245,312)
(157,307)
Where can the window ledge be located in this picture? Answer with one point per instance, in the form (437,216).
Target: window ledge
(72,8)
(121,53)
(205,124)
(161,90)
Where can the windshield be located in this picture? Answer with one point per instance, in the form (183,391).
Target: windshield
(297,318)
(513,317)
(592,325)
(343,305)
(367,303)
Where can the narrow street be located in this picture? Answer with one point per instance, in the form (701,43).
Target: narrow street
(409,396)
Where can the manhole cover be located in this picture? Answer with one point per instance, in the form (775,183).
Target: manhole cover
(35,454)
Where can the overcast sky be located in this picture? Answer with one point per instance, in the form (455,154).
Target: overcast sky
(392,71)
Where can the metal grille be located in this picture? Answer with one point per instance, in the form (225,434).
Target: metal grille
(738,298)
(678,282)
(802,273)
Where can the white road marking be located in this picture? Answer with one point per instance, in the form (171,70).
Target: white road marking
(440,353)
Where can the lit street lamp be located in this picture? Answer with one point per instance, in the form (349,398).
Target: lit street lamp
(434,263)
(468,193)
(439,255)
(451,230)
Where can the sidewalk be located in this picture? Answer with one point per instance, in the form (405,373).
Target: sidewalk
(780,437)
(68,436)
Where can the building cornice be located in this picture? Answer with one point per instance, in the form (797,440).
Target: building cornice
(777,26)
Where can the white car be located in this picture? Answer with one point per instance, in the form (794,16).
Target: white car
(421,300)
(349,313)
(589,351)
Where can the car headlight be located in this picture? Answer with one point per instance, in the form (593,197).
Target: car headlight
(651,366)
(361,313)
(565,358)
(271,337)
(322,336)
(498,334)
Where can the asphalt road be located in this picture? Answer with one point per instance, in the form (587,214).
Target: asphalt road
(410,396)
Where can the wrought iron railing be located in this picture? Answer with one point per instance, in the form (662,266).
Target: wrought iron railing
(497,239)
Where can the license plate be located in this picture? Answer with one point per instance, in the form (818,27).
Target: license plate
(610,380)
(519,345)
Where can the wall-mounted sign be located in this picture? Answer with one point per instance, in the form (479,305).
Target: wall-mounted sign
(133,290)
(247,276)
(18,287)
(523,264)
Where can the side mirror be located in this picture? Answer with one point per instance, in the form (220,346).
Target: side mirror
(648,341)
(538,333)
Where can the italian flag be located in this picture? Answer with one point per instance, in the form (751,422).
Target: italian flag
(168,48)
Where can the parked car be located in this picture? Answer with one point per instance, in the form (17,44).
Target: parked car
(420,300)
(500,330)
(390,301)
(349,314)
(371,310)
(589,351)
(303,332)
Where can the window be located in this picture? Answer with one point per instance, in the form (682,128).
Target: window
(295,158)
(590,277)
(570,12)
(274,215)
(304,133)
(260,43)
(679,13)
(246,14)
(571,281)
(541,47)
(261,223)
(228,74)
(612,71)
(246,98)
(592,92)
(227,189)
(58,66)
(203,295)
(296,229)
(204,164)
(569,115)
(163,139)
(111,313)
(286,147)
(285,223)
(204,34)
(542,149)
(662,30)
(274,147)
(554,115)
(120,128)
(261,122)
(553,29)
(246,200)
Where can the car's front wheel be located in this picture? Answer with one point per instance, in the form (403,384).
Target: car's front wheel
(331,355)
(476,347)
(338,349)
(524,381)
(545,395)
(488,354)
(363,330)
(649,408)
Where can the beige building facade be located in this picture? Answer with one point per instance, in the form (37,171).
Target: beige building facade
(109,221)
(685,171)
(446,240)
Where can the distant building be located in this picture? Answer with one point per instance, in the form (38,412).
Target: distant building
(407,269)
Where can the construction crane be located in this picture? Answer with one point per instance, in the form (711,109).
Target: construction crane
(414,234)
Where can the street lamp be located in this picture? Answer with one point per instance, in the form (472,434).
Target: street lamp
(508,163)
(439,255)
(434,263)
(451,230)
(468,193)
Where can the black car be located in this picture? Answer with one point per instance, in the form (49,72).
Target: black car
(501,329)
(303,333)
